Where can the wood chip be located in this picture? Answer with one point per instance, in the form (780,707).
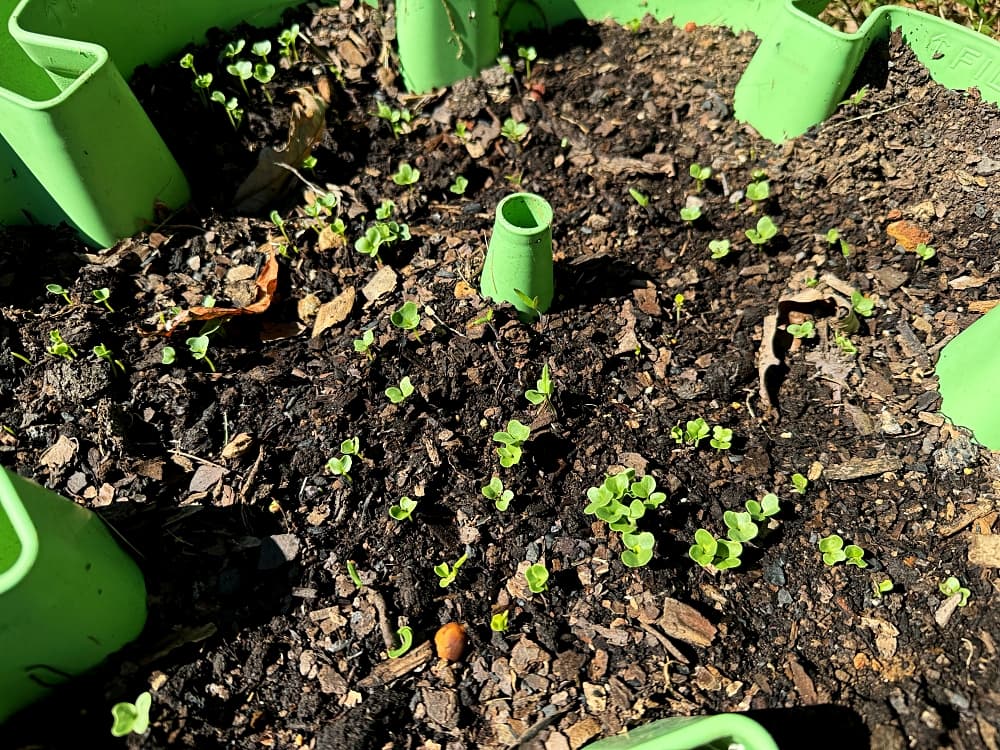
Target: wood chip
(968,515)
(206,477)
(58,454)
(382,282)
(333,312)
(803,683)
(238,445)
(856,468)
(392,669)
(685,623)
(984,550)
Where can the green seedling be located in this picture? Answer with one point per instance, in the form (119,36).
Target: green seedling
(511,441)
(856,98)
(691,214)
(741,527)
(276,219)
(799,483)
(759,190)
(261,49)
(678,306)
(340,467)
(231,107)
(766,229)
(363,345)
(834,551)
(633,25)
(56,289)
(722,438)
(200,82)
(399,394)
(352,572)
(720,554)
(102,352)
(812,282)
(198,346)
(495,491)
(833,238)
(405,635)
(767,507)
(924,252)
(309,162)
(60,348)
(168,355)
(286,40)
(693,433)
(537,577)
(638,197)
(951,586)
(638,548)
(403,510)
(803,330)
(385,209)
(719,248)
(700,174)
(407,317)
(541,394)
(263,73)
(131,718)
(241,70)
(532,303)
(529,55)
(369,243)
(406,175)
(845,344)
(461,130)
(499,621)
(504,62)
(514,131)
(351,447)
(881,586)
(233,48)
(446,573)
(459,185)
(397,119)
(645,490)
(102,295)
(21,357)
(863,306)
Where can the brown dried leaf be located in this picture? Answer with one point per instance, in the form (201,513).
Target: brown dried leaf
(58,454)
(335,311)
(267,282)
(684,623)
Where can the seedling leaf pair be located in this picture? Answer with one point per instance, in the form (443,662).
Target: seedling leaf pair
(511,441)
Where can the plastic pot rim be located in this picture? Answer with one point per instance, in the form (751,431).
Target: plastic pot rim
(24,530)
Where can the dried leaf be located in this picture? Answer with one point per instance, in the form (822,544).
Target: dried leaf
(267,282)
(333,312)
(58,454)
(685,623)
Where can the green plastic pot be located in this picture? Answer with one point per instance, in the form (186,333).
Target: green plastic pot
(968,371)
(75,145)
(69,595)
(519,257)
(719,732)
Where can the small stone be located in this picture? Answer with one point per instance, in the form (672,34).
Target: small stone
(276,550)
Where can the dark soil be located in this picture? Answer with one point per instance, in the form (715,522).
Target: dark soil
(257,636)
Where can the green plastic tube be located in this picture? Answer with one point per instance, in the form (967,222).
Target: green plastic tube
(69,595)
(692,733)
(519,257)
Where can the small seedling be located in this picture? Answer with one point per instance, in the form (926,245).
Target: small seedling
(691,214)
(131,718)
(537,577)
(621,502)
(719,248)
(56,289)
(351,447)
(881,586)
(863,306)
(201,82)
(925,252)
(642,200)
(263,73)
(511,441)
(678,306)
(403,510)
(198,346)
(340,467)
(233,48)
(286,40)
(499,621)
(741,527)
(399,394)
(720,554)
(406,175)
(722,438)
(541,394)
(407,317)
(803,330)
(459,185)
(168,355)
(461,129)
(766,229)
(633,25)
(241,70)
(799,483)
(405,635)
(759,190)
(699,174)
(856,98)
(513,130)
(495,491)
(363,345)
(262,49)
(638,548)
(60,348)
(834,551)
(532,303)
(231,107)
(951,586)
(309,162)
(446,573)
(276,219)
(845,344)
(352,572)
(529,55)
(397,119)
(21,357)
(833,237)
(385,209)
(102,352)
(693,433)
(102,295)
(767,507)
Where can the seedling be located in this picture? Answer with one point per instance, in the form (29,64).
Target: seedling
(56,289)
(131,718)
(951,586)
(833,237)
(495,491)
(803,330)
(767,507)
(693,433)
(845,344)
(834,551)
(459,185)
(280,224)
(309,162)
(102,295)
(642,200)
(407,317)
(532,303)
(286,40)
(678,306)
(925,252)
(396,119)
(363,345)
(856,98)
(691,214)
(741,527)
(198,346)
(799,483)
(513,130)
(168,355)
(102,352)
(645,489)
(461,130)
(881,586)
(720,554)
(700,174)
(499,621)
(863,306)
(529,55)
(385,209)
(200,83)
(446,573)
(231,107)
(406,175)
(60,348)
(405,635)
(21,357)
(719,248)
(403,510)
(340,467)
(638,548)
(633,25)
(399,394)
(352,571)
(765,230)
(759,190)
(537,577)
(351,447)
(233,48)
(620,501)
(263,73)
(722,438)
(241,70)
(369,243)
(511,441)
(541,394)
